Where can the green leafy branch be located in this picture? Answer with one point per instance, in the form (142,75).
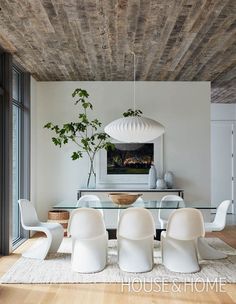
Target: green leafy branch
(83,133)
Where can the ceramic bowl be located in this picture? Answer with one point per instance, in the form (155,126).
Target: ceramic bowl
(124,198)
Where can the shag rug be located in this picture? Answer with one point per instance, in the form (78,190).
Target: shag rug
(57,269)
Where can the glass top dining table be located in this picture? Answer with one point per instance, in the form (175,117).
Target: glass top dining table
(148,204)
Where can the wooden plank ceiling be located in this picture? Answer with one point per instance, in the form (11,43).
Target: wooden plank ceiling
(188,40)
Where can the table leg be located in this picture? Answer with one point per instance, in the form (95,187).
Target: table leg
(112,234)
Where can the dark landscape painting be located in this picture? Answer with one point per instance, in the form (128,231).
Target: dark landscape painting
(130,158)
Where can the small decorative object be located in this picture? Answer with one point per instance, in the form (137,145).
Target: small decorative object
(161,184)
(152,177)
(59,216)
(83,133)
(169,179)
(125,198)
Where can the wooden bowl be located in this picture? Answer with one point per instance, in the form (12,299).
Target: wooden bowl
(124,198)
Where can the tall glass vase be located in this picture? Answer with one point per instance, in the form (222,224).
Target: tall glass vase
(91,181)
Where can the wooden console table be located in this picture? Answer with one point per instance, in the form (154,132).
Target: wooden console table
(179,192)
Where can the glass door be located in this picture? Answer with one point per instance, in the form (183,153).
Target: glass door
(16,140)
(16,156)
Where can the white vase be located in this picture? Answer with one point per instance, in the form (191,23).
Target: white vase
(169,179)
(152,177)
(160,184)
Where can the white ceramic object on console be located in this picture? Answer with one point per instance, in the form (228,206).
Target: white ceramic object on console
(53,231)
(152,177)
(89,240)
(164,214)
(135,238)
(220,218)
(160,184)
(169,179)
(179,252)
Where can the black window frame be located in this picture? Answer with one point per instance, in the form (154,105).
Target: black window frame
(5,151)
(6,103)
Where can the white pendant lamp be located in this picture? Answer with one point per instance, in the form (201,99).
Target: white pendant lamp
(134,129)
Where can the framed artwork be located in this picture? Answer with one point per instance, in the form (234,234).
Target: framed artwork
(130,158)
(129,163)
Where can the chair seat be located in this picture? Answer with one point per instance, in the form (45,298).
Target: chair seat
(50,226)
(42,227)
(209,227)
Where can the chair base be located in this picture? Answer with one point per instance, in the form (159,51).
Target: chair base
(38,251)
(135,255)
(206,252)
(90,255)
(179,256)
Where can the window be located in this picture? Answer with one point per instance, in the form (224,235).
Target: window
(20,148)
(14,149)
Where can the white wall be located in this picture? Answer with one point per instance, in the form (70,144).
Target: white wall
(182,107)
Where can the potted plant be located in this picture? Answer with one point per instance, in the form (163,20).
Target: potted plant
(83,133)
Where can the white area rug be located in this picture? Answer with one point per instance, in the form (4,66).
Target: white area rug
(57,269)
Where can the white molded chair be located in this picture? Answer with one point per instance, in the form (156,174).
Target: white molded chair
(89,240)
(138,203)
(220,218)
(85,199)
(179,252)
(183,242)
(168,201)
(135,239)
(53,231)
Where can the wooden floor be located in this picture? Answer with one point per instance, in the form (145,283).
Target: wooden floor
(111,293)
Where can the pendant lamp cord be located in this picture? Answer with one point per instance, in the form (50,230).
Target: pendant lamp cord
(134,80)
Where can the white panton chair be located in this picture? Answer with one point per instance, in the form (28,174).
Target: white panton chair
(53,231)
